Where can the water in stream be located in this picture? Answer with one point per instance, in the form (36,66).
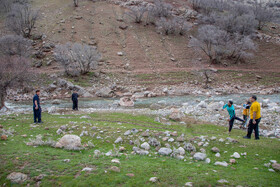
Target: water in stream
(141,103)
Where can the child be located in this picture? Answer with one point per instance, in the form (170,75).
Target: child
(231,112)
(246,108)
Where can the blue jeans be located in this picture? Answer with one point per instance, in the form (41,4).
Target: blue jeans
(37,115)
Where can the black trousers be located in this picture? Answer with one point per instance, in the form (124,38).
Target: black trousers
(254,127)
(231,122)
(75,105)
(37,115)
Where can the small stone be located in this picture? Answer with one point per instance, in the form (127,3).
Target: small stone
(66,160)
(222,181)
(153,179)
(218,155)
(115,160)
(207,160)
(232,161)
(190,184)
(145,146)
(130,175)
(4,137)
(271,170)
(127,133)
(235,155)
(118,140)
(115,169)
(87,169)
(121,149)
(165,151)
(221,164)
(276,166)
(215,150)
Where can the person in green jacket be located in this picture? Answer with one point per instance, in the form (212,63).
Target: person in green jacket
(231,111)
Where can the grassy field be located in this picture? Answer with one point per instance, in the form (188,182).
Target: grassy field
(16,156)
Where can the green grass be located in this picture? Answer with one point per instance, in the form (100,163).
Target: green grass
(16,156)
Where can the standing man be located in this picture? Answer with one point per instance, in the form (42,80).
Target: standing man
(255,118)
(231,112)
(37,108)
(75,100)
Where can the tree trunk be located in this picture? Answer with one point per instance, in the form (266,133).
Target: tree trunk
(2,99)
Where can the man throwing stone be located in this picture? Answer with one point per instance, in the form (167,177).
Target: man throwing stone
(75,100)
(255,118)
(37,107)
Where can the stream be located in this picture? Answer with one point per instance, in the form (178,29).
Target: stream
(102,103)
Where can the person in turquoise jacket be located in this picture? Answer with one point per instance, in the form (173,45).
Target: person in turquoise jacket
(231,111)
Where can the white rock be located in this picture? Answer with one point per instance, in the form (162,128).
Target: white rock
(153,179)
(69,142)
(17,177)
(165,151)
(127,133)
(271,170)
(87,169)
(221,164)
(208,160)
(218,155)
(190,184)
(222,181)
(118,140)
(145,146)
(181,151)
(235,155)
(199,156)
(171,140)
(115,160)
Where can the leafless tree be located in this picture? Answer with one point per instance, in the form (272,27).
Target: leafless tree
(211,40)
(14,63)
(137,13)
(76,57)
(5,5)
(21,19)
(263,14)
(173,26)
(76,3)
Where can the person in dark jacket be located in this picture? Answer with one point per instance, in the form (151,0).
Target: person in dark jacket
(75,100)
(37,107)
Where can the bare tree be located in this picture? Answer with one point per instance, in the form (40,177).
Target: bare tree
(211,40)
(173,26)
(21,19)
(263,14)
(137,13)
(14,63)
(5,5)
(76,3)
(77,57)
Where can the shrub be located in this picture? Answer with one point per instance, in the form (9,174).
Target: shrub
(173,26)
(137,13)
(76,58)
(21,19)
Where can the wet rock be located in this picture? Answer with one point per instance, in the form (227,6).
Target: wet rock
(17,177)
(126,102)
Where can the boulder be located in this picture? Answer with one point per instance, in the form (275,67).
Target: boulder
(276,166)
(199,156)
(165,151)
(126,102)
(105,92)
(118,140)
(69,142)
(189,147)
(235,155)
(17,177)
(215,150)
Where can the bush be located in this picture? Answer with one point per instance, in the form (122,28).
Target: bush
(173,26)
(21,19)
(262,14)
(76,58)
(137,13)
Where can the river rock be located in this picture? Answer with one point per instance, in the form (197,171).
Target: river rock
(69,142)
(17,177)
(126,102)
(199,156)
(202,104)
(165,151)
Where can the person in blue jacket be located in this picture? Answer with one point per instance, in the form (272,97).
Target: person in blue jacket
(231,111)
(37,107)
